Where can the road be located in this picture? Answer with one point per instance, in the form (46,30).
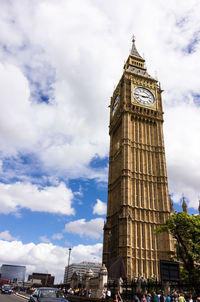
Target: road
(11,298)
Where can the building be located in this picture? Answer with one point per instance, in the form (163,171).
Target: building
(13,272)
(80,268)
(138,199)
(44,278)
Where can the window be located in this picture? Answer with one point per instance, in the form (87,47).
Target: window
(50,293)
(143,236)
(138,235)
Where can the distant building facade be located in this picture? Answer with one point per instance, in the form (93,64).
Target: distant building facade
(13,272)
(80,269)
(44,278)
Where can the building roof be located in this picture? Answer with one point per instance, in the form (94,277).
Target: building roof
(134,51)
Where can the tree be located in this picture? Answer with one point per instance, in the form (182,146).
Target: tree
(185,229)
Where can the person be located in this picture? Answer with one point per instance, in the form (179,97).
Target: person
(148,297)
(168,298)
(103,296)
(154,297)
(143,299)
(118,297)
(64,290)
(162,298)
(135,298)
(190,298)
(108,294)
(181,298)
(176,296)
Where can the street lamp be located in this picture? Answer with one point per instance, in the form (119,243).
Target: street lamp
(46,278)
(68,264)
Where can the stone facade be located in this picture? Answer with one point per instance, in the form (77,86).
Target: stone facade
(138,198)
(94,285)
(80,269)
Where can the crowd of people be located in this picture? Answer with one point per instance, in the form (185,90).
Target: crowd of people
(150,297)
(83,292)
(154,297)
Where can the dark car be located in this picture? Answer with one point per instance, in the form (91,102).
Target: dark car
(6,289)
(47,294)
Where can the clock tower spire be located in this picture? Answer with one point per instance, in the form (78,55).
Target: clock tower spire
(138,197)
(134,52)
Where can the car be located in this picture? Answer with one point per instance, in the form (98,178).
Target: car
(6,289)
(48,294)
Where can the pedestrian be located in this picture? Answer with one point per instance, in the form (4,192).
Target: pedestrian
(89,293)
(116,298)
(176,297)
(108,294)
(143,299)
(148,297)
(190,298)
(181,298)
(168,298)
(103,296)
(162,299)
(135,298)
(119,298)
(154,297)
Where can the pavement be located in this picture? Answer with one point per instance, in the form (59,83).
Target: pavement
(24,296)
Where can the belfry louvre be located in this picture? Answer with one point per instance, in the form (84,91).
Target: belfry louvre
(138,198)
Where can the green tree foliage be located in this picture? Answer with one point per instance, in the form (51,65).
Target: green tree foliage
(186,230)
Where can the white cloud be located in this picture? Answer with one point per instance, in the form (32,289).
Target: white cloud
(92,228)
(58,131)
(16,129)
(44,239)
(99,208)
(57,236)
(86,253)
(46,257)
(78,69)
(25,195)
(5,235)
(182,150)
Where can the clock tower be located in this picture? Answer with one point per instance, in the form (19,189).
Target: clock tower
(138,198)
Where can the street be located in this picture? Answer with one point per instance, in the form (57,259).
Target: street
(11,298)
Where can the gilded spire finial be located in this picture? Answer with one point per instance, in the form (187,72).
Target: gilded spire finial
(134,51)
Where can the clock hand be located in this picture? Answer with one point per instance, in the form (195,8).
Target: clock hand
(141,95)
(144,96)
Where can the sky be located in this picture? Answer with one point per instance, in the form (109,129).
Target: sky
(59,63)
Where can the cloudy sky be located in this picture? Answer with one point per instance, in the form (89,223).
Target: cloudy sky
(59,63)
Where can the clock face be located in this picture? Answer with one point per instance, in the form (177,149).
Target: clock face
(144,96)
(115,104)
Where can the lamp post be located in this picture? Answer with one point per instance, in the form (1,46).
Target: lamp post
(68,264)
(46,278)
